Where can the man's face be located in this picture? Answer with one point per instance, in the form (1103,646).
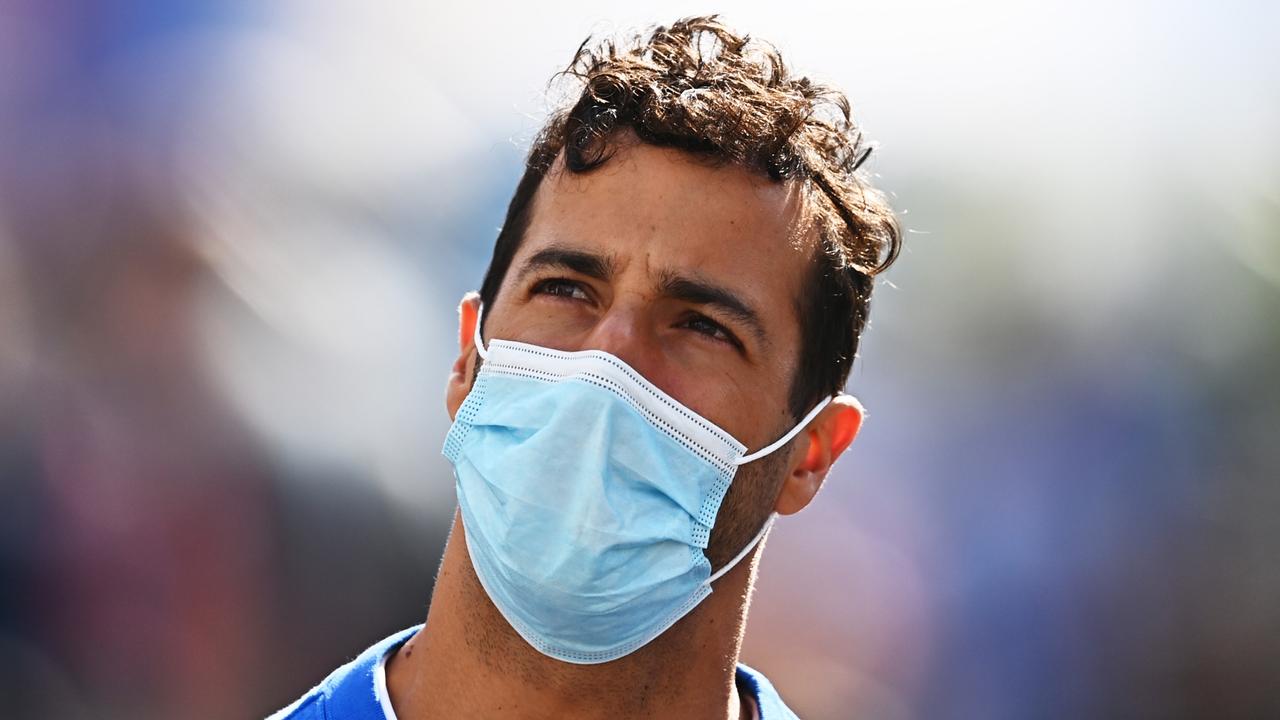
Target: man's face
(686,271)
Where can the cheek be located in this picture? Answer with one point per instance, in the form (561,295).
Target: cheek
(719,389)
(754,410)
(713,399)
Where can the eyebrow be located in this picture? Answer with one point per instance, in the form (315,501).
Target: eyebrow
(701,292)
(599,267)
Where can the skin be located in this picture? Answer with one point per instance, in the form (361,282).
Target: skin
(606,264)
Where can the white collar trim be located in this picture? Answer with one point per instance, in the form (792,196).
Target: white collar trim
(380,685)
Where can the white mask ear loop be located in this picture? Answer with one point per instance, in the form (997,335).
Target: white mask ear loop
(773,515)
(484,354)
(782,440)
(738,558)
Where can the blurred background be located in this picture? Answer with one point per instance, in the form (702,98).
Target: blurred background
(232,240)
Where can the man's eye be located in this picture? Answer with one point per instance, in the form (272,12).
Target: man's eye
(706,326)
(561,288)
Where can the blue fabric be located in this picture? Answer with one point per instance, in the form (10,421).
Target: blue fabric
(347,694)
(754,683)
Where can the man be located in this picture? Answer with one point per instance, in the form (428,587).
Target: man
(651,371)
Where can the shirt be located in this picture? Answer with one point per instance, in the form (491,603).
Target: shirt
(358,690)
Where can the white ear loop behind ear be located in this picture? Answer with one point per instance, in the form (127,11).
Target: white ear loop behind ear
(785,438)
(484,354)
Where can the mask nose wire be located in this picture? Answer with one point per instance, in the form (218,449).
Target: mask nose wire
(484,354)
(785,438)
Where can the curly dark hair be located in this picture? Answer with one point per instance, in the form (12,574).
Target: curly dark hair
(700,87)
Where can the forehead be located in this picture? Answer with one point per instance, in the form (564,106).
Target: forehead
(668,211)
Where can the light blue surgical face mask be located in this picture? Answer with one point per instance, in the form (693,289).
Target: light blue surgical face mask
(588,496)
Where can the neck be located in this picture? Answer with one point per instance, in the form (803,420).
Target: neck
(467,662)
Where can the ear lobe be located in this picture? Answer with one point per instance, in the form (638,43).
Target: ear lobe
(459,382)
(829,435)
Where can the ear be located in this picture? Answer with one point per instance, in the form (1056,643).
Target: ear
(459,383)
(829,435)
